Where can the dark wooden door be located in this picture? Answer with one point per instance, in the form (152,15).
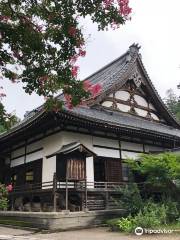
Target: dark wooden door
(99,169)
(113,170)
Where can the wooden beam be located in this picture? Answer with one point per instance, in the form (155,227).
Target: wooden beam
(54,193)
(67,194)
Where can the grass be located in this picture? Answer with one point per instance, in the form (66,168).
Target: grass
(15,222)
(112,223)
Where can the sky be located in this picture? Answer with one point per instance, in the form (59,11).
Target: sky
(154,26)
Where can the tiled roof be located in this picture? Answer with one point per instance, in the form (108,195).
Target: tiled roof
(111,75)
(120,119)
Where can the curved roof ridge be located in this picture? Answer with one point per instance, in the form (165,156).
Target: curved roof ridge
(156,92)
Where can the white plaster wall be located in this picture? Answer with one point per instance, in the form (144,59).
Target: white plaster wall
(33,146)
(149,148)
(105,142)
(34,156)
(90,171)
(132,146)
(48,169)
(141,112)
(123,95)
(52,144)
(18,152)
(126,155)
(154,116)
(107,104)
(104,152)
(123,107)
(68,137)
(140,101)
(17,162)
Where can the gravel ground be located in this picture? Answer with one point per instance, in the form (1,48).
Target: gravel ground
(85,234)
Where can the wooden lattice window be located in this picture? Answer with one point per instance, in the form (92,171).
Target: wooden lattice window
(29,176)
(113,170)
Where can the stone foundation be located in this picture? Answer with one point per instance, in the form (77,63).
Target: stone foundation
(58,221)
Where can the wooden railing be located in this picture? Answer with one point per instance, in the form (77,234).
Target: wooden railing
(60,185)
(32,187)
(85,188)
(55,186)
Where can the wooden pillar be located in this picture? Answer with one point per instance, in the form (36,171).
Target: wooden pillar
(54,193)
(12,203)
(66,194)
(174,144)
(82,201)
(86,195)
(106,197)
(31,201)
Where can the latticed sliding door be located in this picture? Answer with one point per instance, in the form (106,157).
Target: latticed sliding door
(113,170)
(76,168)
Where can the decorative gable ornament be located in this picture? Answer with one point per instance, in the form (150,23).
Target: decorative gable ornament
(137,79)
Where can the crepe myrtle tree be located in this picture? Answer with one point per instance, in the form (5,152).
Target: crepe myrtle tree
(41,41)
(6,120)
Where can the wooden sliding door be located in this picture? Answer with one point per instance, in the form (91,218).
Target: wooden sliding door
(107,169)
(76,169)
(113,170)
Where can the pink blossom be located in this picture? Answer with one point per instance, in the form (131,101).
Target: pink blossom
(9,188)
(68,98)
(74,71)
(73,59)
(108,3)
(95,89)
(82,53)
(125,10)
(87,85)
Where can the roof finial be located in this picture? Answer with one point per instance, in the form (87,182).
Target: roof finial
(134,47)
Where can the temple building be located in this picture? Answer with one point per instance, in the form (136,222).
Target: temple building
(72,159)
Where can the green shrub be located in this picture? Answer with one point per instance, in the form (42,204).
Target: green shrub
(151,215)
(3,197)
(156,210)
(172,211)
(130,199)
(3,203)
(126,224)
(113,224)
(146,220)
